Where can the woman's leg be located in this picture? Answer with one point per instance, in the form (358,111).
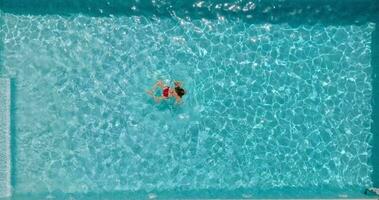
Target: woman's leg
(158,84)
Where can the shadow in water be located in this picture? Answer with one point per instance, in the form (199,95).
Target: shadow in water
(294,12)
(375,104)
(209,193)
(1,44)
(13,132)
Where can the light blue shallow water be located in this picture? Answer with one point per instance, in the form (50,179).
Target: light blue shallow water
(269,106)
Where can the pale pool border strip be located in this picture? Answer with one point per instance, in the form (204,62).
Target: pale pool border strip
(5,151)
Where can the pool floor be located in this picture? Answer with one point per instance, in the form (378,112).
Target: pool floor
(268,106)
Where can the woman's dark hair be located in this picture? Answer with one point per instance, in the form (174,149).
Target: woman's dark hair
(180,91)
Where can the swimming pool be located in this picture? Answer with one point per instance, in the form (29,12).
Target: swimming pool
(280,104)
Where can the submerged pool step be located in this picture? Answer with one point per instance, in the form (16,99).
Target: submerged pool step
(5,152)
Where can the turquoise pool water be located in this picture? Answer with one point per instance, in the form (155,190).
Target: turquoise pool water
(272,109)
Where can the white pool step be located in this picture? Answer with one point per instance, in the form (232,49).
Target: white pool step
(5,151)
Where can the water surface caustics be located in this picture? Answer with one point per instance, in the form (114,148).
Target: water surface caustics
(268,105)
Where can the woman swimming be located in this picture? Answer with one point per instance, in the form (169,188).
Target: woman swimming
(167,92)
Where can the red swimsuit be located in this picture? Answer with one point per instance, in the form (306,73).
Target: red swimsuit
(166,91)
